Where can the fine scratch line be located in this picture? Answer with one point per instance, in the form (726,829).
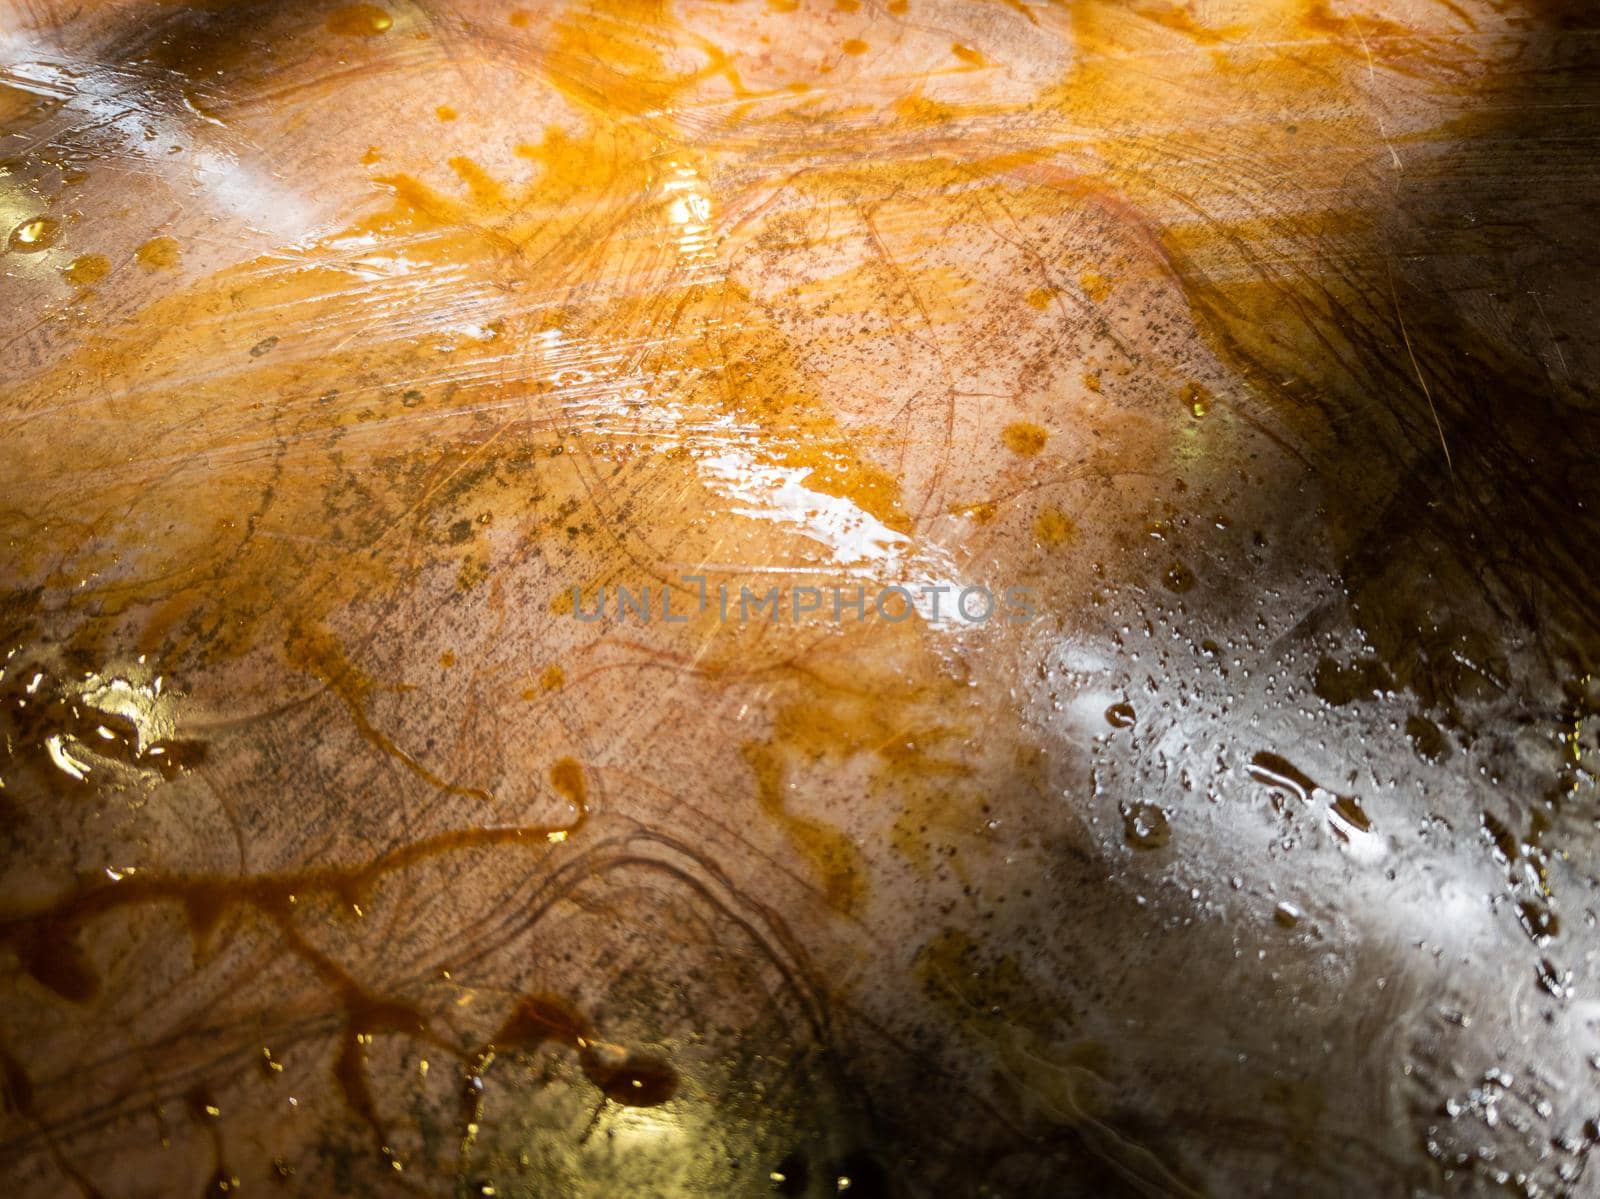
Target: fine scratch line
(1554,344)
(1428,395)
(1377,104)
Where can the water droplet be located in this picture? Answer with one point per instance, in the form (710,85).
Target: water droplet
(1178,579)
(1145,826)
(87,269)
(1121,715)
(359,20)
(35,234)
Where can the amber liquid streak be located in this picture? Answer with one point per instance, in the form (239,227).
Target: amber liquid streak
(46,941)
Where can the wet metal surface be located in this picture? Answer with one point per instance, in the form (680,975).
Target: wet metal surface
(739,597)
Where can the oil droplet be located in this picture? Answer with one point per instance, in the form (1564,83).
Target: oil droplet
(1343,684)
(967,54)
(445,113)
(855,46)
(35,234)
(566,776)
(1054,527)
(519,18)
(159,253)
(1178,579)
(359,20)
(1501,837)
(1023,438)
(1196,399)
(638,1080)
(1538,921)
(1286,915)
(1553,979)
(1040,297)
(1277,771)
(87,269)
(1347,815)
(552,678)
(1121,715)
(1094,285)
(899,6)
(1144,826)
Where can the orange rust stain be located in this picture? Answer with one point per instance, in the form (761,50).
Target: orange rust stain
(1053,528)
(159,253)
(1024,438)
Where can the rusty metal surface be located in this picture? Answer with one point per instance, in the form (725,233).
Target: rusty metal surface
(412,783)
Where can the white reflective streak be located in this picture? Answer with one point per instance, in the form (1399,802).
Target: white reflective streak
(146,120)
